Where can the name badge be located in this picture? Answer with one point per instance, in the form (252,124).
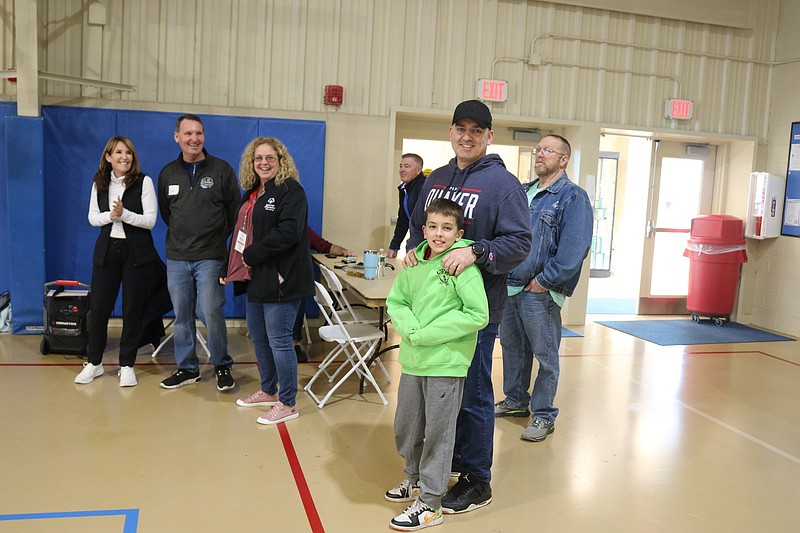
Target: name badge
(172,190)
(241,237)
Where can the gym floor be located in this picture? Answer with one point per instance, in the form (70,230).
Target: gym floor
(649,438)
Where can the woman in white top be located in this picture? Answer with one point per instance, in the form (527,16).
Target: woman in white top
(123,205)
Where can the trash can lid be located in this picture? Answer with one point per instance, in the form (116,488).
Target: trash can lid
(717,229)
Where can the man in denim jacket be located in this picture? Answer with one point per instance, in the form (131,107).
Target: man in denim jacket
(561,225)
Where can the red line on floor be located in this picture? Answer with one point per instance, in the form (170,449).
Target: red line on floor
(300,480)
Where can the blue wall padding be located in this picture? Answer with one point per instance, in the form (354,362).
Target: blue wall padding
(6,108)
(69,150)
(26,228)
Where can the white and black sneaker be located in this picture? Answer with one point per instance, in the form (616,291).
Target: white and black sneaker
(418,515)
(404,492)
(179,378)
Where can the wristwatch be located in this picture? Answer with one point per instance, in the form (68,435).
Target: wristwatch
(478,249)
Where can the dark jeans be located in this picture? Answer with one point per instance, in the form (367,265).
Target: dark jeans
(475,426)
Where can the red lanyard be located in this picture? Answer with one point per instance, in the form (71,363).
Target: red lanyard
(250,203)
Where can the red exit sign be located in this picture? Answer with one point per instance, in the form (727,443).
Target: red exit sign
(678,109)
(492,90)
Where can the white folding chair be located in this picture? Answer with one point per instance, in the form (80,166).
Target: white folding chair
(350,314)
(357,342)
(200,339)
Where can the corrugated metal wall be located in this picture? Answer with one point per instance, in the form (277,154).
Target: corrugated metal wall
(424,54)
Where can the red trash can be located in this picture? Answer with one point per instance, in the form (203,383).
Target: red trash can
(716,250)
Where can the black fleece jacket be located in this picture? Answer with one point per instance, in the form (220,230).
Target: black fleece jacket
(199,215)
(279,255)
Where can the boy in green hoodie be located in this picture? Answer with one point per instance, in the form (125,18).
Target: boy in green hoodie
(438,317)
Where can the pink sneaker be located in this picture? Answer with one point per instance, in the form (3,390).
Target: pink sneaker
(259,398)
(279,413)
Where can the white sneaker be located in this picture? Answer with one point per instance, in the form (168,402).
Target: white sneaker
(404,492)
(88,373)
(127,377)
(418,515)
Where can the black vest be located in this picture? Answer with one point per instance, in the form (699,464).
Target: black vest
(139,240)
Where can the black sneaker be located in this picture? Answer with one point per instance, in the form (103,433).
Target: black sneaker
(224,378)
(466,495)
(179,378)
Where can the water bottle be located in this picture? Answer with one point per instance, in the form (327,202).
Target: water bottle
(381,263)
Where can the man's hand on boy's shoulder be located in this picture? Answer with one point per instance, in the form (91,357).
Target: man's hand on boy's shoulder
(410,260)
(455,261)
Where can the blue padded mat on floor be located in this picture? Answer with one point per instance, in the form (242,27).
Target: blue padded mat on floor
(673,332)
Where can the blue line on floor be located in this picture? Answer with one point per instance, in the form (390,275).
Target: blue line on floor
(131,516)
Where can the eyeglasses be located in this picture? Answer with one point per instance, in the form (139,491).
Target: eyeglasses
(268,159)
(546,151)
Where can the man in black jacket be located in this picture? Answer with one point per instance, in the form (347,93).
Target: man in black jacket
(198,197)
(411,180)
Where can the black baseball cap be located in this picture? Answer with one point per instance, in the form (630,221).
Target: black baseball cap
(475,110)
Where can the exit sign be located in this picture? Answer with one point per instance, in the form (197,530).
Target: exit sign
(492,90)
(678,109)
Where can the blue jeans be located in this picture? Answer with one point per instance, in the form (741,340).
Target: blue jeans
(475,426)
(270,326)
(531,326)
(196,284)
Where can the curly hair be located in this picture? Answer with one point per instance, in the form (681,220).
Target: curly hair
(248,178)
(102,177)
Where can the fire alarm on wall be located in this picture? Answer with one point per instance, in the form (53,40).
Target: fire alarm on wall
(334,95)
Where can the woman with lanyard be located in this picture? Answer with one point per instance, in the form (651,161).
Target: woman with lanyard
(270,261)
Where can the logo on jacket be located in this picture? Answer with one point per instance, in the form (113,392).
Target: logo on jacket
(444,276)
(270,205)
(206,182)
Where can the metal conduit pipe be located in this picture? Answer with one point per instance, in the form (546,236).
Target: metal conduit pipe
(532,52)
(539,61)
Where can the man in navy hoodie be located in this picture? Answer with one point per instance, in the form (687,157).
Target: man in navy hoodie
(495,217)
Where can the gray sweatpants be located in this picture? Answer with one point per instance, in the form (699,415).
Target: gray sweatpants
(425,431)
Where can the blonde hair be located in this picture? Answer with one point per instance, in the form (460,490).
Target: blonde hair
(248,178)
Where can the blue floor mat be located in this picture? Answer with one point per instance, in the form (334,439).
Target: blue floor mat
(674,332)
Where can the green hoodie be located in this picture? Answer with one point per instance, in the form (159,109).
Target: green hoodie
(437,315)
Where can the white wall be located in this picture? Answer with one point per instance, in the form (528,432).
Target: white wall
(775,263)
